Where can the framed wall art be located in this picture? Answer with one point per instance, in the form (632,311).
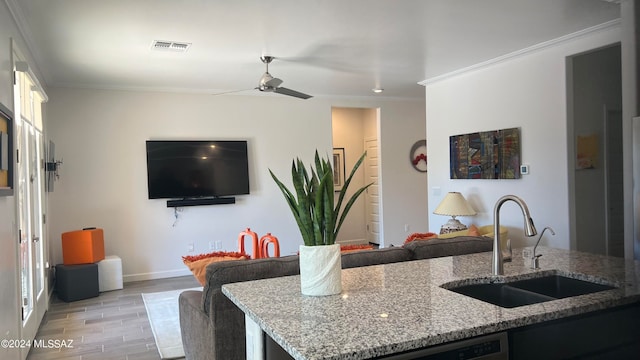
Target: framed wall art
(338,169)
(485,155)
(6,151)
(418,155)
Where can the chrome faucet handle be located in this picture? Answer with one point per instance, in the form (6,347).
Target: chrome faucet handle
(535,264)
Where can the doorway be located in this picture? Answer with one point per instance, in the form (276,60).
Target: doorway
(595,163)
(356,130)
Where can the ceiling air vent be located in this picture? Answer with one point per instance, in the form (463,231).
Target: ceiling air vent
(170,45)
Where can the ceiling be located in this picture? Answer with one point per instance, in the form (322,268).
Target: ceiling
(322,47)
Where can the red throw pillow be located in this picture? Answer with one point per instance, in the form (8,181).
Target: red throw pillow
(421,236)
(198,263)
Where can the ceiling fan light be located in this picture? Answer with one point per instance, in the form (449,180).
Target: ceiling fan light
(270,84)
(263,80)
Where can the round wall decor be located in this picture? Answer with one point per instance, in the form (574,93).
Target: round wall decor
(418,155)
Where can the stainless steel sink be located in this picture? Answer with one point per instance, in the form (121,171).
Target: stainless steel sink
(530,291)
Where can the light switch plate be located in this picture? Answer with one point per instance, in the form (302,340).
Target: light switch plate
(524,169)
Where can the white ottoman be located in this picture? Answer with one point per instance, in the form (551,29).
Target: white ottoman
(110,273)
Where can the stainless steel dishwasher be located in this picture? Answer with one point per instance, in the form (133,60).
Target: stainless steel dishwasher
(486,347)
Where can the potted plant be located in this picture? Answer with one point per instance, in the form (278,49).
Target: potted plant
(319,219)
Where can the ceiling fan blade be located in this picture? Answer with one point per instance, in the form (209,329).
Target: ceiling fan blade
(275,82)
(285,91)
(231,92)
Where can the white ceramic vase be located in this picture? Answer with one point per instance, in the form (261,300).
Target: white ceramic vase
(320,270)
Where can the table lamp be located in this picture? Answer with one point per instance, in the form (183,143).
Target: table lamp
(454,204)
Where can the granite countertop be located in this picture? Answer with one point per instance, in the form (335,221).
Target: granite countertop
(386,309)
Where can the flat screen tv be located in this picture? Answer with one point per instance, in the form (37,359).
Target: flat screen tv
(194,169)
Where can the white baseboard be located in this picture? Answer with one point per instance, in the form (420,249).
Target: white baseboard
(156,275)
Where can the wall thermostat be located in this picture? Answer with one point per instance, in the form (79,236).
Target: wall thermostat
(524,169)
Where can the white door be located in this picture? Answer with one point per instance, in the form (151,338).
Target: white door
(37,181)
(30,198)
(24,230)
(372,195)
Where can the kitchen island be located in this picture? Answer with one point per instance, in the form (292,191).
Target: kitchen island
(402,307)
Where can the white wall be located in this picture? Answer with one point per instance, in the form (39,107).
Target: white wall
(101,137)
(404,189)
(529,92)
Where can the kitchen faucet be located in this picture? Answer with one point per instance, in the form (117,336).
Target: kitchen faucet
(529,230)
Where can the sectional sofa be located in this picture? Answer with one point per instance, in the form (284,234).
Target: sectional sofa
(213,327)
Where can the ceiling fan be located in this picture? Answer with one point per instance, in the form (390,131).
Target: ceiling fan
(270,84)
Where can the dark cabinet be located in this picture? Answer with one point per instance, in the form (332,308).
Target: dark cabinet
(606,334)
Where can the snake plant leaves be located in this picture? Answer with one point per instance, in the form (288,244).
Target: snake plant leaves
(313,207)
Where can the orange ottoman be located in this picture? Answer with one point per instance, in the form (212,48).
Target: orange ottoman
(84,246)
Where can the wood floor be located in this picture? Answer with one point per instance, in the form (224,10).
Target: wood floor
(113,325)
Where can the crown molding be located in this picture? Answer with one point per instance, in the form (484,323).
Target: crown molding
(523,52)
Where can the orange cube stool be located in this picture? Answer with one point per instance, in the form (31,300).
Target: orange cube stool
(84,246)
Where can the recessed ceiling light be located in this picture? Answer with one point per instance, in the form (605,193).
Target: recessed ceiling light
(377,90)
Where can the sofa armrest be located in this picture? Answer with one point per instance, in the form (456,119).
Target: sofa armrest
(225,320)
(195,327)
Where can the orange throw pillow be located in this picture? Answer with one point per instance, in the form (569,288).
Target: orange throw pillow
(347,248)
(421,236)
(473,230)
(198,263)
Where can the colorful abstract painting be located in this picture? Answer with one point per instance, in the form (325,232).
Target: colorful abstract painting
(485,155)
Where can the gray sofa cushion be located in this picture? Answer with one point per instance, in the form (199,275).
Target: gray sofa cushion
(425,249)
(375,257)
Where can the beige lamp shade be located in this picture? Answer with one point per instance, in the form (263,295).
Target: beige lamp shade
(454,204)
